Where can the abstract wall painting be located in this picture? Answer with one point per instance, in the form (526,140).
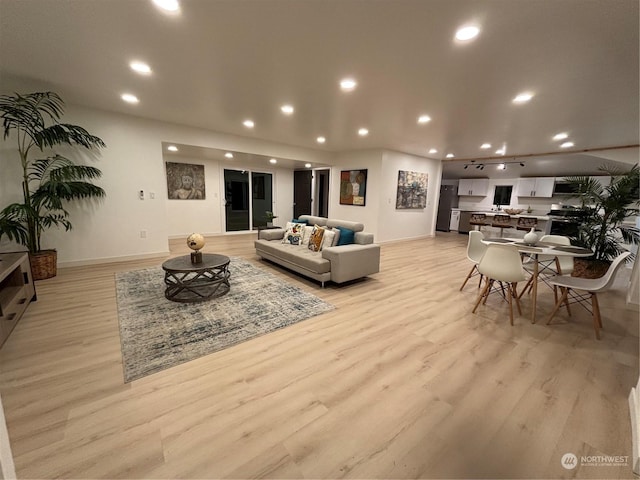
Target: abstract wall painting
(353,187)
(412,190)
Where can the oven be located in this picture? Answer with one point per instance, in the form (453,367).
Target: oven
(567,227)
(565,220)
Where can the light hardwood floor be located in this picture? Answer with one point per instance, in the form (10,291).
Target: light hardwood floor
(400,381)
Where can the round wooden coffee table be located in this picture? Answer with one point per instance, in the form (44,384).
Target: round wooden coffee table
(195,282)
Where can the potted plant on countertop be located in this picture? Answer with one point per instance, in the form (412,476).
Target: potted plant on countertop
(270,216)
(33,120)
(603,229)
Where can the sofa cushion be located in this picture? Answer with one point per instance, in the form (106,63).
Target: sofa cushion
(355,226)
(314,220)
(303,257)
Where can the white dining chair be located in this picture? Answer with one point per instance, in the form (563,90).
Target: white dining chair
(591,287)
(501,263)
(475,251)
(549,265)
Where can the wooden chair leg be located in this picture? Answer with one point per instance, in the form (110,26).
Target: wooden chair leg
(515,295)
(468,276)
(526,285)
(597,321)
(565,293)
(510,305)
(480,281)
(488,291)
(482,294)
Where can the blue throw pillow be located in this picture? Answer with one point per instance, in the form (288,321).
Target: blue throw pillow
(346,236)
(295,220)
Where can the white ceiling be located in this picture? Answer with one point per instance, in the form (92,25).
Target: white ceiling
(220,62)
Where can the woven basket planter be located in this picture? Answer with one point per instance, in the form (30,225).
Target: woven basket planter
(44,264)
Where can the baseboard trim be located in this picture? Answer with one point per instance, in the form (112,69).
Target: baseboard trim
(124,258)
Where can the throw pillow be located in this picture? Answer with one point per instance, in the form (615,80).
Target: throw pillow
(306,235)
(315,241)
(327,238)
(295,220)
(293,233)
(336,239)
(347,236)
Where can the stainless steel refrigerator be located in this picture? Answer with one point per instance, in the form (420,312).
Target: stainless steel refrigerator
(448,200)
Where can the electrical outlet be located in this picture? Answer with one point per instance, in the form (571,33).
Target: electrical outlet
(143,234)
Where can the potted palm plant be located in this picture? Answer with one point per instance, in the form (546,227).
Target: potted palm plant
(603,228)
(33,121)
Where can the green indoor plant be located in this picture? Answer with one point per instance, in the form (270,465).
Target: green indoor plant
(269,216)
(33,121)
(602,228)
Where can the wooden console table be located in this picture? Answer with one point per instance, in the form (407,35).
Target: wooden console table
(16,290)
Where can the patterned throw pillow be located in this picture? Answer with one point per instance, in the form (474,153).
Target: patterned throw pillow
(315,241)
(293,235)
(306,235)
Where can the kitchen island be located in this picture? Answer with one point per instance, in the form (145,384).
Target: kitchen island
(465,217)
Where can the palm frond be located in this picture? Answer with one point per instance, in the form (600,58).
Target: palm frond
(29,112)
(60,133)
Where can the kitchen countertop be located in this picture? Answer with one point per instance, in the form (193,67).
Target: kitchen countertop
(491,214)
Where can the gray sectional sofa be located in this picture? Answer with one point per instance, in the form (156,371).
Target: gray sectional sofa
(338,263)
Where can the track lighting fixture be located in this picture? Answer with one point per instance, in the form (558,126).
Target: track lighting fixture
(501,165)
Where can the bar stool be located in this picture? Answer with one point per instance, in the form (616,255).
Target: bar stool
(526,223)
(502,222)
(479,220)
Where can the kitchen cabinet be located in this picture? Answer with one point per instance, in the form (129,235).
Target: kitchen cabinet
(536,187)
(473,186)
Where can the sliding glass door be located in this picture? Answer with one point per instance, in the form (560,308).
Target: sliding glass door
(240,207)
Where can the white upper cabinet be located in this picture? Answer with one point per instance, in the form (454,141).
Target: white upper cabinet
(473,186)
(536,187)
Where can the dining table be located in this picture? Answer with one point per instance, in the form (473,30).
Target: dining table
(534,251)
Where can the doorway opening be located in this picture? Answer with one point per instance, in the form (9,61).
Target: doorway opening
(248,196)
(321,192)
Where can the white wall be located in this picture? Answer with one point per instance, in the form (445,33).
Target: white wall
(133,160)
(367,214)
(407,223)
(379,214)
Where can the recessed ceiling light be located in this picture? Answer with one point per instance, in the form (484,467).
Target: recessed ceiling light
(450,155)
(348,84)
(248,123)
(307,165)
(484,146)
(129,98)
(433,150)
(523,97)
(228,155)
(363,132)
(466,33)
(424,119)
(287,109)
(566,145)
(321,139)
(140,67)
(172,148)
(560,136)
(167,5)
(273,160)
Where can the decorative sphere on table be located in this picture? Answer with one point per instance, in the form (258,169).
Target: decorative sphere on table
(195,241)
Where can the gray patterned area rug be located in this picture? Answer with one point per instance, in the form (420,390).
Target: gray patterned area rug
(157,333)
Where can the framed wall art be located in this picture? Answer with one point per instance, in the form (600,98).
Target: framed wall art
(185,181)
(353,187)
(412,190)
